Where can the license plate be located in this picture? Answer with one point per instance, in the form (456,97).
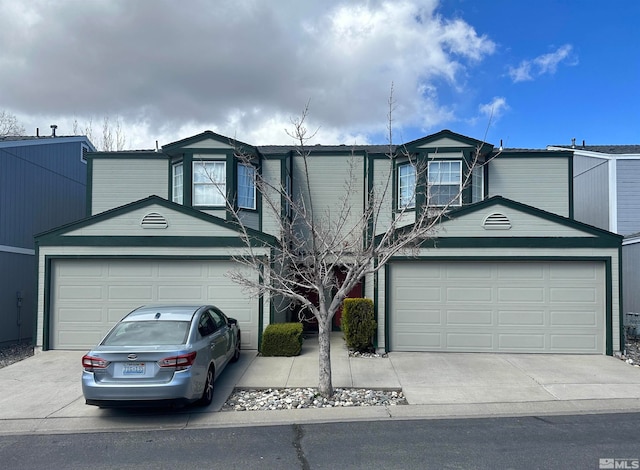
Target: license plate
(133,369)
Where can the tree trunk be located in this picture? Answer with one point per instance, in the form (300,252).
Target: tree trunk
(325,386)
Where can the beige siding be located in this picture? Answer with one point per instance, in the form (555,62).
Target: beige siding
(445,142)
(118,182)
(271,215)
(178,224)
(522,225)
(336,188)
(208,144)
(538,182)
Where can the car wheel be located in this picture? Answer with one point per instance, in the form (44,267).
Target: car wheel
(236,351)
(207,393)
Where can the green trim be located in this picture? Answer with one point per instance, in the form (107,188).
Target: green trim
(154,241)
(612,238)
(607,260)
(56,236)
(519,242)
(421,143)
(387,307)
(620,303)
(206,135)
(127,155)
(46,314)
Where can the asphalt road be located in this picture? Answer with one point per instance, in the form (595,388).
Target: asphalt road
(562,442)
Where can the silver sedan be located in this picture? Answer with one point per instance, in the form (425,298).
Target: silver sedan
(161,354)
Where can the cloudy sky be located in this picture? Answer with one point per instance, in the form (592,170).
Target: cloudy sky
(529,73)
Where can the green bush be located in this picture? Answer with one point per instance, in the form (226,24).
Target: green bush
(358,324)
(282,339)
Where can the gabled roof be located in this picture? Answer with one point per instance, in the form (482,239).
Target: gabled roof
(569,233)
(447,134)
(206,135)
(54,236)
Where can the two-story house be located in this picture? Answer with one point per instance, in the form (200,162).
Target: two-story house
(42,185)
(509,269)
(607,195)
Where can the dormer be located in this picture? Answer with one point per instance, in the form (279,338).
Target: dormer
(206,171)
(432,170)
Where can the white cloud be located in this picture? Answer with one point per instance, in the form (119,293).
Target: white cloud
(528,70)
(493,110)
(237,67)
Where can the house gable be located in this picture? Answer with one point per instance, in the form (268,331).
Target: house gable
(150,219)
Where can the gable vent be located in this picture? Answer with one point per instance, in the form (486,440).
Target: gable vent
(496,221)
(154,220)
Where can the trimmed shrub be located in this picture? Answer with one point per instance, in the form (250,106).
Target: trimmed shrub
(358,324)
(282,339)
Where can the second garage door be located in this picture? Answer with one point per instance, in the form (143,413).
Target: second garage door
(90,295)
(553,307)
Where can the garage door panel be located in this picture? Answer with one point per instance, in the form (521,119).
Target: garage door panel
(469,294)
(573,295)
(511,306)
(522,342)
(469,341)
(574,319)
(521,294)
(466,317)
(521,317)
(89,296)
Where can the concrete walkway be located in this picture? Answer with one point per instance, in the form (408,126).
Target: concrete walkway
(42,394)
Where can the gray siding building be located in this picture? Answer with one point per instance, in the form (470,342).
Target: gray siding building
(42,185)
(607,195)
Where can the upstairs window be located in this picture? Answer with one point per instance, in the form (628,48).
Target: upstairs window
(445,180)
(209,183)
(406,186)
(177,183)
(477,183)
(246,187)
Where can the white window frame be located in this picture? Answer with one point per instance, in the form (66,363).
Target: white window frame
(406,186)
(477,183)
(246,184)
(177,183)
(441,174)
(209,183)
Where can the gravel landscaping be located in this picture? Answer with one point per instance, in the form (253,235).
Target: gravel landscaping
(14,352)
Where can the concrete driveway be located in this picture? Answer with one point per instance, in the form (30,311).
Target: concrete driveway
(43,393)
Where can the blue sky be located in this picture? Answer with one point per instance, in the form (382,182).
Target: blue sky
(529,73)
(592,94)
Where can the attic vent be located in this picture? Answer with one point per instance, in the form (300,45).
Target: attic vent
(154,220)
(496,221)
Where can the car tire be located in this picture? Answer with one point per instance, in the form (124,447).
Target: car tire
(207,393)
(236,351)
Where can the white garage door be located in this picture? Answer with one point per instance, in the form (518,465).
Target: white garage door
(553,307)
(91,295)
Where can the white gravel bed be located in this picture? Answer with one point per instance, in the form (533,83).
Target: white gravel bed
(300,398)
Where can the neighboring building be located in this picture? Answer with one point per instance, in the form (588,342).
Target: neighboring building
(510,269)
(606,180)
(42,185)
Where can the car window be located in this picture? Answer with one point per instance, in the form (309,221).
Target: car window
(206,325)
(148,333)
(218,318)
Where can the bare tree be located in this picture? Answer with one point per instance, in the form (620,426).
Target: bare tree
(348,236)
(113,136)
(9,125)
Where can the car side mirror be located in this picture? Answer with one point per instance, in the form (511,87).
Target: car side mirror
(232,321)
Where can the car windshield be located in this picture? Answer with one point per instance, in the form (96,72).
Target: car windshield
(148,333)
